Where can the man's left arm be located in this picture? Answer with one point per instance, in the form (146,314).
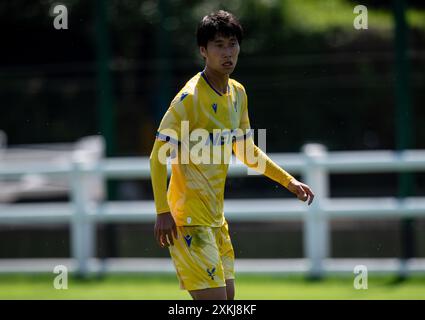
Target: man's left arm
(270,169)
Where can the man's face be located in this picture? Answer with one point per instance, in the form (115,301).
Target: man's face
(221,54)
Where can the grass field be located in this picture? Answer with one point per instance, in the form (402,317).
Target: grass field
(156,286)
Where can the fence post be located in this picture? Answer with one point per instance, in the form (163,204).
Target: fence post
(3,142)
(316,227)
(82,229)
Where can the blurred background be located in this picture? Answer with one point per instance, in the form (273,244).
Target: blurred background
(310,76)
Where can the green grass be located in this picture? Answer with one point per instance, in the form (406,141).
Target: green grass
(157,286)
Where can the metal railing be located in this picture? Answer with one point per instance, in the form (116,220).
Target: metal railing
(314,163)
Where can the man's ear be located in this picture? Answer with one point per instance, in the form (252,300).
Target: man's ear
(203,52)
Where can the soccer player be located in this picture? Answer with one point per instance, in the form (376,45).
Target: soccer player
(190,219)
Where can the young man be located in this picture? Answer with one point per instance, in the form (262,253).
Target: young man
(190,219)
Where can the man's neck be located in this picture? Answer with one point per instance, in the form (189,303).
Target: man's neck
(217,80)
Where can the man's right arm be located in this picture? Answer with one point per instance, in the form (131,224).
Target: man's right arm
(165,226)
(159,178)
(169,132)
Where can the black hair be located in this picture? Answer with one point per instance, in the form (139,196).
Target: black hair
(218,23)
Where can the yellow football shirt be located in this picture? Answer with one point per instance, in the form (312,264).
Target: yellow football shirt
(196,190)
(195,193)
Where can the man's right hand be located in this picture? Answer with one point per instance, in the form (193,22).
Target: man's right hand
(165,227)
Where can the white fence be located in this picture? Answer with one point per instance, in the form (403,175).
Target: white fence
(83,212)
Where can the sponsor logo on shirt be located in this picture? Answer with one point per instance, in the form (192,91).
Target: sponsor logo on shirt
(188,239)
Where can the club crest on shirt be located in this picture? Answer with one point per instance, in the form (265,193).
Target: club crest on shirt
(214,106)
(211,273)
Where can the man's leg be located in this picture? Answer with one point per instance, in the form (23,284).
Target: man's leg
(227,256)
(230,289)
(197,261)
(209,294)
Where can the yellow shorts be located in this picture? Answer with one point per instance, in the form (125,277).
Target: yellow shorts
(203,257)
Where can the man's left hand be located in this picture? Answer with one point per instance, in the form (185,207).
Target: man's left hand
(301,190)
